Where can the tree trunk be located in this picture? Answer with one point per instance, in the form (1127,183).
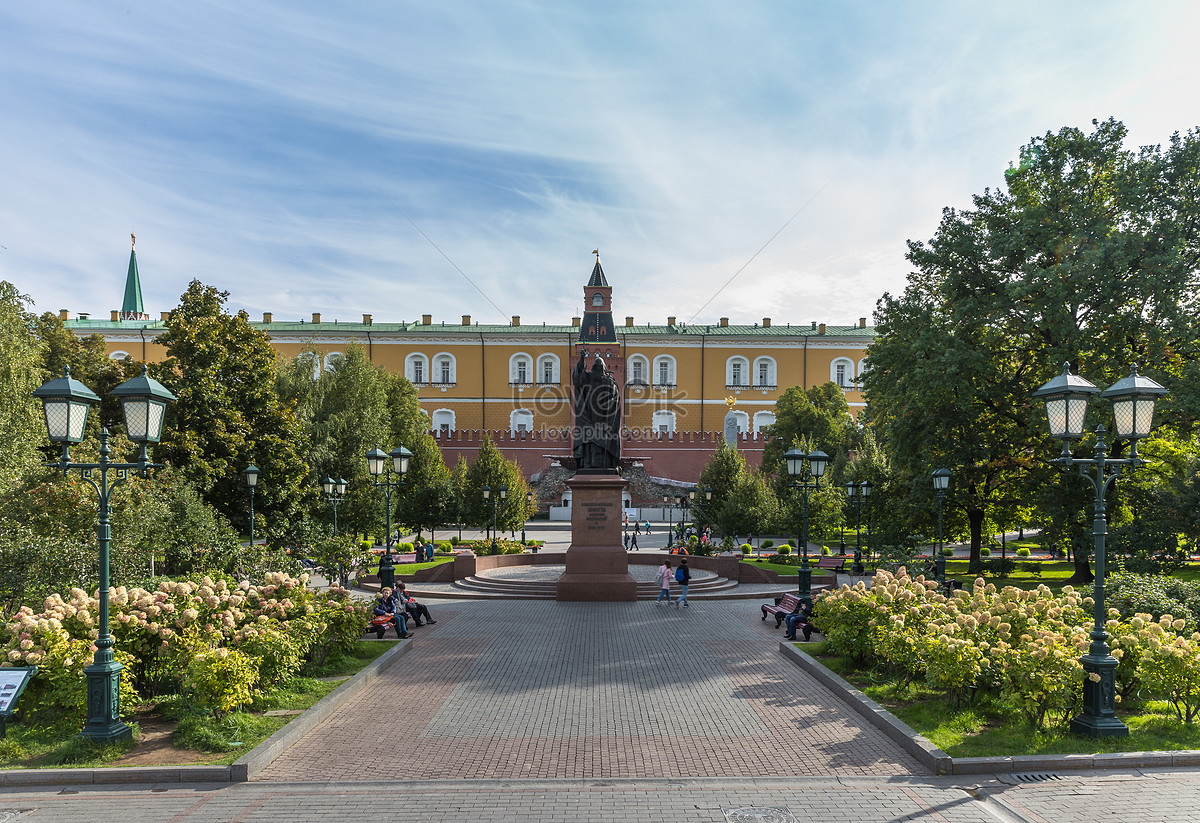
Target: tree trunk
(975,520)
(1083,567)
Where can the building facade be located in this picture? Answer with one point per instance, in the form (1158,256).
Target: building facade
(513,382)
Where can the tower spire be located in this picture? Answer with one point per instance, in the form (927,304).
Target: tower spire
(131,306)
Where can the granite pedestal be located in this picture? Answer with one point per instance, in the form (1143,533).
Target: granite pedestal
(597,568)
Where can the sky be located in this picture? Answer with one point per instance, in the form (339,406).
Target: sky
(742,160)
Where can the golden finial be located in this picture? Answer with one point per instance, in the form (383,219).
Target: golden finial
(132,241)
(731,401)
(596,252)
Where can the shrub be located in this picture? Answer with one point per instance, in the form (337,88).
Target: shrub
(1023,551)
(984,551)
(826,551)
(766,544)
(746,549)
(221,680)
(784,550)
(947,552)
(1000,567)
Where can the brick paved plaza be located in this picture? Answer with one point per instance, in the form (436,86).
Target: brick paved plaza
(544,711)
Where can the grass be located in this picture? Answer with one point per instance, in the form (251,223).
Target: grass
(984,727)
(225,739)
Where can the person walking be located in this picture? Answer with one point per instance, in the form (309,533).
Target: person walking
(626,541)
(633,542)
(683,576)
(664,579)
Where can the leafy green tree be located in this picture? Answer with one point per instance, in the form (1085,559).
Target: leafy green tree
(229,414)
(490,468)
(90,364)
(21,359)
(1081,257)
(721,476)
(820,415)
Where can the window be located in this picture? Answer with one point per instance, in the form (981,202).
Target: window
(548,370)
(597,299)
(737,372)
(764,372)
(118,355)
(862,368)
(663,422)
(520,368)
(332,358)
(443,422)
(416,369)
(443,369)
(763,419)
(313,361)
(664,370)
(521,420)
(639,370)
(841,371)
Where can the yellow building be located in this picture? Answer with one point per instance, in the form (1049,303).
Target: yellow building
(516,377)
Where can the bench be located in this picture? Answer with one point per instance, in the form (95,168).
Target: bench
(788,604)
(837,564)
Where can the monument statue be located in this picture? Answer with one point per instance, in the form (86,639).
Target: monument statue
(597,434)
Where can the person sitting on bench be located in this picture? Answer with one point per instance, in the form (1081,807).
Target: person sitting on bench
(802,619)
(415,610)
(386,604)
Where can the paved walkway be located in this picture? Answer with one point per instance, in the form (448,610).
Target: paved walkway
(533,689)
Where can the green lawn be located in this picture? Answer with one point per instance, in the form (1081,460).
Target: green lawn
(985,728)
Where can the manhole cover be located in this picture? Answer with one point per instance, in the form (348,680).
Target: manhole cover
(1037,777)
(758,814)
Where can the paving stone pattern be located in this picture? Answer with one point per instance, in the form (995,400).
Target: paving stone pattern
(531,689)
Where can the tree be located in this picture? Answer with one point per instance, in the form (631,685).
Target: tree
(721,476)
(229,414)
(490,468)
(820,415)
(21,372)
(89,364)
(1082,257)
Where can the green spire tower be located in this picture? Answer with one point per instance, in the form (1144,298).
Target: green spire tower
(131,306)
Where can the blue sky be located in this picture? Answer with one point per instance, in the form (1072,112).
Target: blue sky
(406,158)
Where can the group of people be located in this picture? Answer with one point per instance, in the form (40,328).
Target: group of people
(681,575)
(402,607)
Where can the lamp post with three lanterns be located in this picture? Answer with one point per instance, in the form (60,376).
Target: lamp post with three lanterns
(817,460)
(381,471)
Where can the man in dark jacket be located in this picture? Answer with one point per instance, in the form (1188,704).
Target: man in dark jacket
(386,604)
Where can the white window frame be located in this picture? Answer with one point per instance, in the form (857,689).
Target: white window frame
(639,360)
(772,379)
(543,361)
(436,374)
(743,421)
(442,417)
(737,372)
(656,373)
(848,374)
(660,419)
(862,368)
(762,419)
(514,369)
(517,417)
(119,355)
(410,369)
(332,358)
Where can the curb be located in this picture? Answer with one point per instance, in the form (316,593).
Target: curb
(241,770)
(941,763)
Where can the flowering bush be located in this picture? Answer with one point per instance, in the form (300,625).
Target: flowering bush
(276,625)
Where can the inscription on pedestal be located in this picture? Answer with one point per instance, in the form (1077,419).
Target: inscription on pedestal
(596,519)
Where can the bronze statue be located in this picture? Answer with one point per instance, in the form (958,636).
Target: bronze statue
(597,433)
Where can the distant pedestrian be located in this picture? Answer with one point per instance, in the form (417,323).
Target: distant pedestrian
(683,576)
(429,552)
(626,541)
(664,579)
(633,541)
(647,527)
(637,527)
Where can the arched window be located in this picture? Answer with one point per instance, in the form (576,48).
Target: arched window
(443,423)
(521,420)
(841,371)
(416,369)
(119,355)
(547,372)
(639,370)
(312,361)
(597,299)
(663,422)
(520,369)
(737,372)
(862,368)
(664,371)
(332,358)
(444,369)
(763,419)
(764,372)
(743,421)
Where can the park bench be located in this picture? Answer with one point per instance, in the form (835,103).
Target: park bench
(836,564)
(788,604)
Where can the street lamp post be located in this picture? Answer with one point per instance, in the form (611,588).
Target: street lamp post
(858,492)
(501,493)
(334,490)
(1133,399)
(529,501)
(381,471)
(817,461)
(66,402)
(670,516)
(941,481)
(251,474)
